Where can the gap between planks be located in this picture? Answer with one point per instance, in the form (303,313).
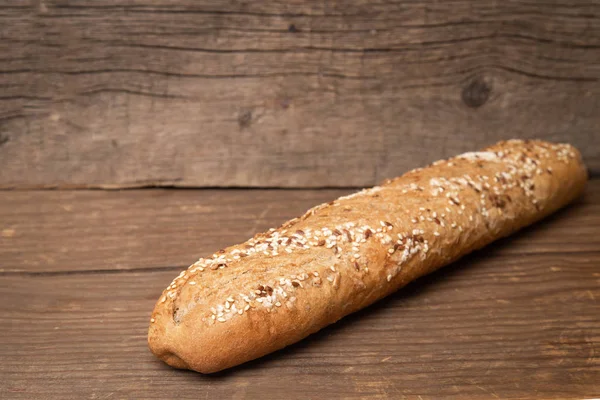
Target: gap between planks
(477,253)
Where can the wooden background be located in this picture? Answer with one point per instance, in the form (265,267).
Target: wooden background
(320,95)
(285,93)
(81,271)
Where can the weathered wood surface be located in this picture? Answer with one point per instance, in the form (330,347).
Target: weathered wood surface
(491,325)
(132,229)
(518,319)
(62,231)
(279,93)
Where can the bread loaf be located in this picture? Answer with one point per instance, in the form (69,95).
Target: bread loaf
(282,285)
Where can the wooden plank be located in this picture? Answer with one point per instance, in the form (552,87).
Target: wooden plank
(48,231)
(490,326)
(159,228)
(273,93)
(53,231)
(516,320)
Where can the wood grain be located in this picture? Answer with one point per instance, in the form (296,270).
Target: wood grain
(64,231)
(491,326)
(136,228)
(518,319)
(285,94)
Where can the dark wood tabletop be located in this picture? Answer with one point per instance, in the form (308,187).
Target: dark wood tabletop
(80,271)
(193,98)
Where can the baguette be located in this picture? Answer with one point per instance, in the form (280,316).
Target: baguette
(282,285)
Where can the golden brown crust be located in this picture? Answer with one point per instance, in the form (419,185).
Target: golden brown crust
(280,286)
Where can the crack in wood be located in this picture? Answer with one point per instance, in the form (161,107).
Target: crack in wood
(92,271)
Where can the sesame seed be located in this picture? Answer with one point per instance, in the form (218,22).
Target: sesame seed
(192,283)
(152,319)
(436,233)
(389,277)
(221,319)
(357,256)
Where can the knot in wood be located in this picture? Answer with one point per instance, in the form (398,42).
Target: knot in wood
(476,93)
(245,119)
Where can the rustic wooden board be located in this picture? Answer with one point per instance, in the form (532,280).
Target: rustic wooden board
(490,326)
(279,93)
(60,231)
(49,231)
(518,319)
